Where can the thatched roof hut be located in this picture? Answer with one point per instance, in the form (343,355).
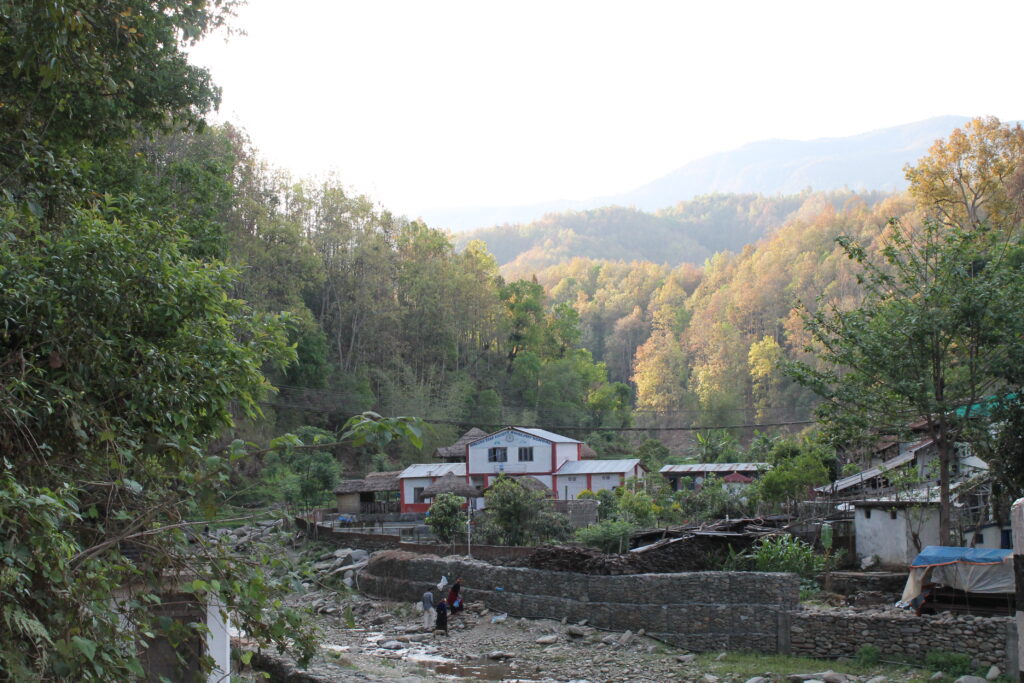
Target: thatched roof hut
(450,483)
(457,451)
(374,481)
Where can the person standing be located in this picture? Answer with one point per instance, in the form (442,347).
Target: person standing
(455,598)
(442,617)
(428,609)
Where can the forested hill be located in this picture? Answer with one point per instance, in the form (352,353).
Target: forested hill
(869,161)
(688,232)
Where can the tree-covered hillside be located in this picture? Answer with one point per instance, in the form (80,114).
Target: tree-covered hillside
(688,232)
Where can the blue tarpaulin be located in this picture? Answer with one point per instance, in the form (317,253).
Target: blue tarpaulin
(936,555)
(975,570)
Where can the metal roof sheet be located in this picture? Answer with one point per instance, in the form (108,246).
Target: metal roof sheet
(871,473)
(433,469)
(597,466)
(716,467)
(546,435)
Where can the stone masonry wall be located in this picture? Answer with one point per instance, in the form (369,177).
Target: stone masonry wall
(841,632)
(698,610)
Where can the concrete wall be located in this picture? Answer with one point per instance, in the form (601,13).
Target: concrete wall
(699,611)
(841,632)
(891,539)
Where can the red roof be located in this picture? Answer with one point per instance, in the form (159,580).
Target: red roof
(737,478)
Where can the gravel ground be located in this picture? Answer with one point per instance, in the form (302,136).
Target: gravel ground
(388,644)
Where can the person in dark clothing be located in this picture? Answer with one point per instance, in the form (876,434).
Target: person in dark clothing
(442,617)
(455,598)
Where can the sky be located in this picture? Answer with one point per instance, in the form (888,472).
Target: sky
(456,104)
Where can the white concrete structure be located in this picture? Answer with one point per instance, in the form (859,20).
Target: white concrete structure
(576,476)
(518,451)
(415,478)
(895,532)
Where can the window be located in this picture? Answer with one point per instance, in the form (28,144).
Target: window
(892,513)
(497,454)
(979,537)
(417,494)
(867,513)
(526,454)
(606,477)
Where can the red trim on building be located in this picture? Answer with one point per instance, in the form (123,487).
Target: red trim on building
(590,482)
(417,507)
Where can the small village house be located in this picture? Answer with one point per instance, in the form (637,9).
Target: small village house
(377,493)
(415,478)
(556,462)
(735,475)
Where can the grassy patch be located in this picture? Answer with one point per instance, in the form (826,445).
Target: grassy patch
(750,664)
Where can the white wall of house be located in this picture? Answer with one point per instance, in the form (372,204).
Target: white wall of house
(570,486)
(988,536)
(565,452)
(536,454)
(605,481)
(410,485)
(888,533)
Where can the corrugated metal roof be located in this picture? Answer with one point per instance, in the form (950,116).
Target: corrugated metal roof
(716,467)
(597,466)
(861,477)
(546,435)
(532,431)
(433,469)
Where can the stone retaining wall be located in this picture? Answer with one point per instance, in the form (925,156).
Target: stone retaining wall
(841,632)
(699,610)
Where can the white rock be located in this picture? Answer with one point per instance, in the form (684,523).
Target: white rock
(685,659)
(993,673)
(547,640)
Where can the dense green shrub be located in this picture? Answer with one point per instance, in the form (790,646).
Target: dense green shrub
(785,553)
(867,655)
(610,535)
(446,517)
(952,663)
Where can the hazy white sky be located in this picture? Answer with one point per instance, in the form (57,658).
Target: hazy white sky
(429,104)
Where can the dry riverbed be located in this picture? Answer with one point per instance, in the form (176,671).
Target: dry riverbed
(387,643)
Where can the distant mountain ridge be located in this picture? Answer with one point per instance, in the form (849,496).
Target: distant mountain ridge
(689,232)
(868,161)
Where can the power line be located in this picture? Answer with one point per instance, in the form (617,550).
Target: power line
(473,423)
